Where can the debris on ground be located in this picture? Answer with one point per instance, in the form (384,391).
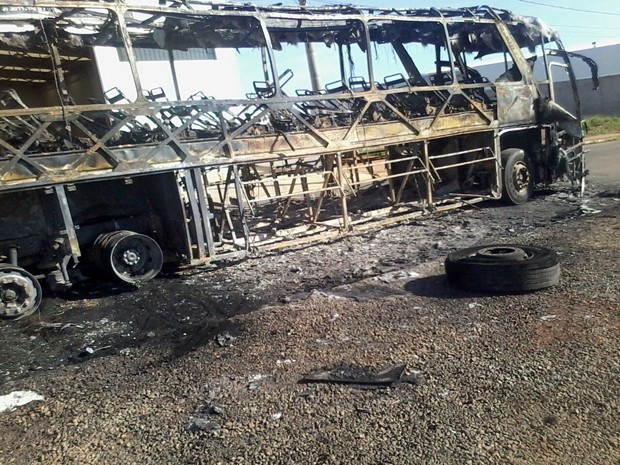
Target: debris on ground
(88,353)
(285,362)
(59,326)
(225,339)
(200,424)
(586,210)
(254,382)
(361,377)
(10,402)
(214,410)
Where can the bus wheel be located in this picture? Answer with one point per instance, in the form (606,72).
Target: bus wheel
(503,268)
(20,292)
(128,256)
(518,179)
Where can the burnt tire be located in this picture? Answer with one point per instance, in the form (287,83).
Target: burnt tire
(503,268)
(20,292)
(518,180)
(126,255)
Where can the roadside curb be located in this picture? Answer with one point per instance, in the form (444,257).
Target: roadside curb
(601,138)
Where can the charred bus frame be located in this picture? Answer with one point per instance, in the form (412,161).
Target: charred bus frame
(98,181)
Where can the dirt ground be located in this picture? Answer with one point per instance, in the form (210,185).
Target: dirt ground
(186,308)
(203,365)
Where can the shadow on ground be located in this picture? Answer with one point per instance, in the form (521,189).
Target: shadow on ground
(437,287)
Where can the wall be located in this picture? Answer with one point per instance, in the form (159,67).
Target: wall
(604,101)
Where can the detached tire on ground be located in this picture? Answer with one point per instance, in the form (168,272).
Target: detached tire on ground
(503,268)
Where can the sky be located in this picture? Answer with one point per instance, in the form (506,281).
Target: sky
(578,29)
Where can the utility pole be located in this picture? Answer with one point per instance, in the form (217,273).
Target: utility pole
(315,81)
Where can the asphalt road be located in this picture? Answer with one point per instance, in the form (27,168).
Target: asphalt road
(603,162)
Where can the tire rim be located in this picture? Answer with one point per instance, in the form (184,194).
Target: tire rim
(520,176)
(20,292)
(503,253)
(129,256)
(136,258)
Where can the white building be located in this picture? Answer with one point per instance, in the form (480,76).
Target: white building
(214,72)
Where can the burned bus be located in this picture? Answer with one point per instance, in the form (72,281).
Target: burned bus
(345,118)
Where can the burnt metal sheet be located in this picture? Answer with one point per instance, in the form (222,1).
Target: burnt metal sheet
(515,102)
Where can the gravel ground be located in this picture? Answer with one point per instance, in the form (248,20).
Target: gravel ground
(521,379)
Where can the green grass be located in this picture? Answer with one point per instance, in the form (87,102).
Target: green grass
(603,125)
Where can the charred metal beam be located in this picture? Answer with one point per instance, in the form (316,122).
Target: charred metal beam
(69,228)
(588,61)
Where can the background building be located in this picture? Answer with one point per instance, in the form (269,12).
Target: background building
(604,101)
(213,72)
